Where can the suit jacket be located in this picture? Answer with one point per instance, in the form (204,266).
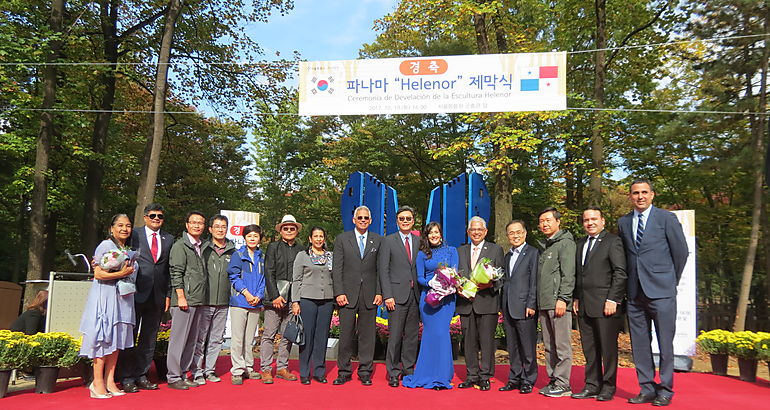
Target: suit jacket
(486,301)
(658,263)
(602,277)
(398,276)
(153,277)
(353,276)
(520,284)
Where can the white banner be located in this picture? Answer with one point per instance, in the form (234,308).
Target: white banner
(686,295)
(475,83)
(237,220)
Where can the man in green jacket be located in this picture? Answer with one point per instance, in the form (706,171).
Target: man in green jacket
(555,284)
(211,333)
(189,292)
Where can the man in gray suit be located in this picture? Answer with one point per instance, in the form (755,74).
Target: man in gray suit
(398,280)
(357,292)
(656,253)
(478,317)
(519,303)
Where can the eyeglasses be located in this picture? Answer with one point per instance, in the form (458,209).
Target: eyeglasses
(362,218)
(153,216)
(405,218)
(196,223)
(477,230)
(516,233)
(289,228)
(218,227)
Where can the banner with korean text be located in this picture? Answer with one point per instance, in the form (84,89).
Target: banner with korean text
(237,220)
(421,85)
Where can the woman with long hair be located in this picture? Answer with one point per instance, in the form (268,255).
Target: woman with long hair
(33,319)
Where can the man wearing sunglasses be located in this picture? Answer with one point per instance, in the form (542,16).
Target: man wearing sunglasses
(398,280)
(357,292)
(150,299)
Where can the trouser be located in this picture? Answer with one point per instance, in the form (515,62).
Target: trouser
(134,362)
(244,324)
(367,333)
(642,312)
(275,322)
(181,341)
(521,342)
(479,337)
(557,336)
(316,317)
(211,334)
(404,327)
(599,337)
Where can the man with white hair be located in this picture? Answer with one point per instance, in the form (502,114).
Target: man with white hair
(478,317)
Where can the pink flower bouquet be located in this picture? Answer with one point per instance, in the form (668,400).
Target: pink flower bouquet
(444,282)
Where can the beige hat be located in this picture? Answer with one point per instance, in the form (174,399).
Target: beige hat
(288,220)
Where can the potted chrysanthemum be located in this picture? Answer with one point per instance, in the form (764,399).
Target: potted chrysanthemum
(14,354)
(715,343)
(48,353)
(742,345)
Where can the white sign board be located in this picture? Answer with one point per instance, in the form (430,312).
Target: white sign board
(475,83)
(236,221)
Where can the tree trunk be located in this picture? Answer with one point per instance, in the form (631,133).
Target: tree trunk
(150,164)
(600,70)
(95,173)
(36,257)
(758,131)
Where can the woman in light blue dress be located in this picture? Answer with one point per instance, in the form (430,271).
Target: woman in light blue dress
(434,368)
(108,318)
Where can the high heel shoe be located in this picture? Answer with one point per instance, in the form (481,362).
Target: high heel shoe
(116,393)
(95,395)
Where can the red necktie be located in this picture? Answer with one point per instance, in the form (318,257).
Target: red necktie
(154,247)
(408,249)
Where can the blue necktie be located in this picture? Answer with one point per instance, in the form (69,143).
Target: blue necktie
(361,245)
(639,231)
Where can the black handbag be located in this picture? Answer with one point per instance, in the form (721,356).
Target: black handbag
(295,331)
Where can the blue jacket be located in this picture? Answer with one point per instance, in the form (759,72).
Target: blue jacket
(245,273)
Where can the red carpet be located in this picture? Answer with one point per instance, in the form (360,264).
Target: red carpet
(693,391)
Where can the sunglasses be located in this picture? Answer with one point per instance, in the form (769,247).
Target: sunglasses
(405,218)
(289,228)
(153,216)
(362,218)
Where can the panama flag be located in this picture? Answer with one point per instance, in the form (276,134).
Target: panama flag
(541,79)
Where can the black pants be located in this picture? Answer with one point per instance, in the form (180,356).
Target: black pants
(316,317)
(364,325)
(134,362)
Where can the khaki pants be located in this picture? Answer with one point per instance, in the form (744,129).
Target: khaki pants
(275,322)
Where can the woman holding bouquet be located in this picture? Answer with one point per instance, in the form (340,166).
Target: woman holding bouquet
(108,318)
(434,368)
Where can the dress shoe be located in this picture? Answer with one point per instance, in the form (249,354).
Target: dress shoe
(525,388)
(130,387)
(285,374)
(190,383)
(393,382)
(267,377)
(661,401)
(466,384)
(439,388)
(641,399)
(585,394)
(319,379)
(145,384)
(340,380)
(179,385)
(509,386)
(116,393)
(95,395)
(366,381)
(483,385)
(304,380)
(605,396)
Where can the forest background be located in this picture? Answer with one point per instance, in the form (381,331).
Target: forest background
(108,105)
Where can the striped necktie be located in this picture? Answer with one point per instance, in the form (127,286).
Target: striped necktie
(639,231)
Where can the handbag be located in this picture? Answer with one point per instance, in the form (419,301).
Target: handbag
(283,288)
(295,331)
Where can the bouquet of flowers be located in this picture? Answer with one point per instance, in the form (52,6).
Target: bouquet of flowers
(484,272)
(113,260)
(444,282)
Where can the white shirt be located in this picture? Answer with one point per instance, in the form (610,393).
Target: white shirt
(645,220)
(585,247)
(148,233)
(515,253)
(359,235)
(403,237)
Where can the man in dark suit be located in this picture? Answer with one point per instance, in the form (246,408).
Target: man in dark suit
(600,287)
(656,253)
(478,317)
(357,291)
(519,307)
(398,281)
(150,299)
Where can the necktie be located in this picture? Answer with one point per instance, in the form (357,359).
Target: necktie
(514,258)
(408,249)
(588,250)
(474,257)
(361,245)
(198,248)
(639,231)
(154,247)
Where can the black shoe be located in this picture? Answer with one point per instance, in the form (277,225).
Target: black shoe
(525,388)
(393,382)
(304,380)
(179,385)
(438,388)
(366,381)
(558,391)
(661,401)
(641,399)
(130,387)
(145,384)
(550,386)
(483,385)
(585,394)
(340,380)
(605,396)
(510,386)
(319,379)
(466,384)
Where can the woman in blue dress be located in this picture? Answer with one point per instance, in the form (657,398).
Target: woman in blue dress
(108,318)
(434,368)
